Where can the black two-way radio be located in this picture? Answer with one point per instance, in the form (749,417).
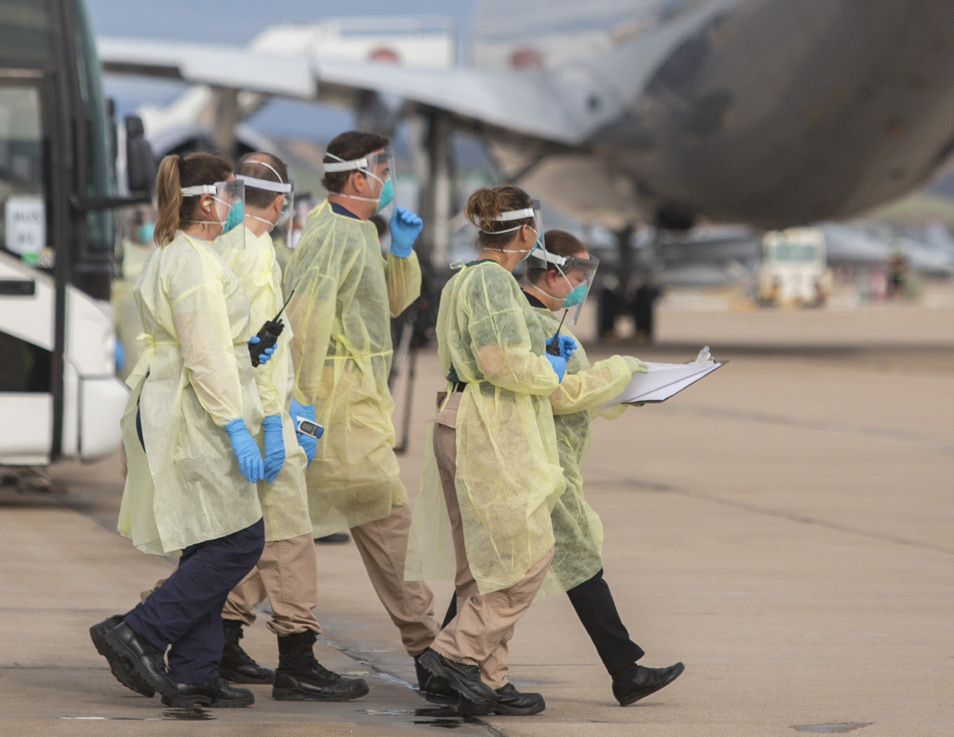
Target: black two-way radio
(554,348)
(268,335)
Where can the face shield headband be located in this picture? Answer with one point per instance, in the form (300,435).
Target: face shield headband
(367,164)
(564,265)
(534,211)
(230,195)
(279,187)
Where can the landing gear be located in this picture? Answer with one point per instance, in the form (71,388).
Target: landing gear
(631,291)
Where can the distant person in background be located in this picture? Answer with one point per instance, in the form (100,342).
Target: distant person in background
(898,273)
(137,245)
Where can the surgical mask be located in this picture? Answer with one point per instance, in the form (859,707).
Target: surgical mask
(536,244)
(575,296)
(387,193)
(235,217)
(147,232)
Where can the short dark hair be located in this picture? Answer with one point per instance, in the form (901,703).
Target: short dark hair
(251,166)
(348,147)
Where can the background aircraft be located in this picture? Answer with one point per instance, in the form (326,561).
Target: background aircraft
(667,112)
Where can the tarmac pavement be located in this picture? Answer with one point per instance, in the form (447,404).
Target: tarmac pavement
(784,527)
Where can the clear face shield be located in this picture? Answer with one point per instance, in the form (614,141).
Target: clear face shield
(579,273)
(280,228)
(535,211)
(223,203)
(377,166)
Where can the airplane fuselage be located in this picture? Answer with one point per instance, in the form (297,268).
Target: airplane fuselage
(767,112)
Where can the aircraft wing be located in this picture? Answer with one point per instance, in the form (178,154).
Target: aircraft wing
(527,103)
(210,64)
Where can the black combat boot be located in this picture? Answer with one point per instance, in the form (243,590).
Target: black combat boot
(300,677)
(237,665)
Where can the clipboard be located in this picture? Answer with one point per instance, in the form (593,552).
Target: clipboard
(664,380)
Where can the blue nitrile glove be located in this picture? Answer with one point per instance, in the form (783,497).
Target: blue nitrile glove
(246,450)
(405,227)
(266,354)
(307,443)
(558,363)
(119,356)
(567,346)
(274,446)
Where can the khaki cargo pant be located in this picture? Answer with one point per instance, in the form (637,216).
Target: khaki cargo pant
(480,633)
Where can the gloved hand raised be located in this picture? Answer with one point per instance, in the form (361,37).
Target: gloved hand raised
(274,446)
(307,443)
(565,345)
(558,363)
(245,449)
(405,227)
(265,354)
(635,365)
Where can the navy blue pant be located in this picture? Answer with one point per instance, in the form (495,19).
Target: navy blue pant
(185,613)
(596,609)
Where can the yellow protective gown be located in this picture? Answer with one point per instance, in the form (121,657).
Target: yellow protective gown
(193,378)
(125,314)
(284,501)
(345,295)
(508,472)
(576,527)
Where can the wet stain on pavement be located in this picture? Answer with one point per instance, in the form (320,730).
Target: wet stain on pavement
(189,714)
(831,727)
(444,717)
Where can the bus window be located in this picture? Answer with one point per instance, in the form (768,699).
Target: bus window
(100,224)
(23,225)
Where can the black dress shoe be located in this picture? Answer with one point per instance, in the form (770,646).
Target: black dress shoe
(509,702)
(125,674)
(316,684)
(644,682)
(141,656)
(465,679)
(215,692)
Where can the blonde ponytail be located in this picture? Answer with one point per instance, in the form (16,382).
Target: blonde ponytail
(168,199)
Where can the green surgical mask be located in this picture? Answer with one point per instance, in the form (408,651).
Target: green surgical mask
(387,194)
(235,217)
(575,296)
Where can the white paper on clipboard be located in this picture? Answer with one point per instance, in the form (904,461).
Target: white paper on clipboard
(663,380)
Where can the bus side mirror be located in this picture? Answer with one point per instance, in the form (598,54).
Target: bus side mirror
(140,161)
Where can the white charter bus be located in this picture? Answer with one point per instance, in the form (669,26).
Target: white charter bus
(59,397)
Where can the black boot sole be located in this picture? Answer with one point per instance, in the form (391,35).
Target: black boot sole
(123,653)
(234,676)
(187,702)
(290,693)
(470,709)
(117,665)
